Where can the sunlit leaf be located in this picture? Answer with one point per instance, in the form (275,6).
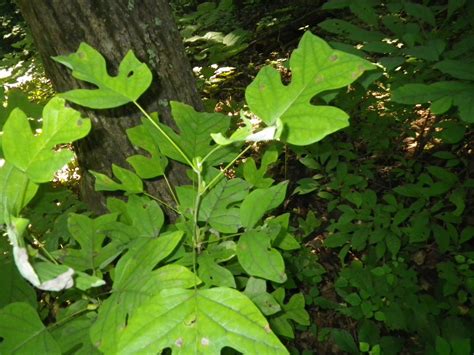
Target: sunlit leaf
(34,154)
(315,68)
(89,65)
(199,322)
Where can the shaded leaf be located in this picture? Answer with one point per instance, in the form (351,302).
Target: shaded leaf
(22,332)
(258,258)
(259,201)
(218,205)
(135,282)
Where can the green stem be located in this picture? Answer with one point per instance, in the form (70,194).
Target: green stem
(157,126)
(215,149)
(221,173)
(222,238)
(161,201)
(171,190)
(196,232)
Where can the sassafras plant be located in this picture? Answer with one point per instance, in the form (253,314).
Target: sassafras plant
(211,280)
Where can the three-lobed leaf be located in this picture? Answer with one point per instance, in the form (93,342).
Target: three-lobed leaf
(34,154)
(87,64)
(143,136)
(218,206)
(316,68)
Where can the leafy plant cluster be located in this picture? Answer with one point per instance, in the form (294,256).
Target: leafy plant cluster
(128,281)
(394,190)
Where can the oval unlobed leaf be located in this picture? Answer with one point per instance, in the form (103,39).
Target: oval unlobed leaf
(199,322)
(258,258)
(259,201)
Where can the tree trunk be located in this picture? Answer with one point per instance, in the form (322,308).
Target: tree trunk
(113,27)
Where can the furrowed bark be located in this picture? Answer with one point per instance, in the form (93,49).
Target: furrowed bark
(113,27)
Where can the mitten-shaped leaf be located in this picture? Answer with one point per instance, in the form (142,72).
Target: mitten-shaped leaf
(34,154)
(22,332)
(142,136)
(129,181)
(293,311)
(315,68)
(199,322)
(89,65)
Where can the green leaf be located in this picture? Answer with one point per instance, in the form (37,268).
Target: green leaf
(129,181)
(259,201)
(14,287)
(16,190)
(135,282)
(22,332)
(194,138)
(145,216)
(421,12)
(239,135)
(18,99)
(350,31)
(256,290)
(87,64)
(73,335)
(198,322)
(142,136)
(344,341)
(90,235)
(292,311)
(364,10)
(256,177)
(454,5)
(34,154)
(316,68)
(442,105)
(212,274)
(459,92)
(218,205)
(393,244)
(456,68)
(258,258)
